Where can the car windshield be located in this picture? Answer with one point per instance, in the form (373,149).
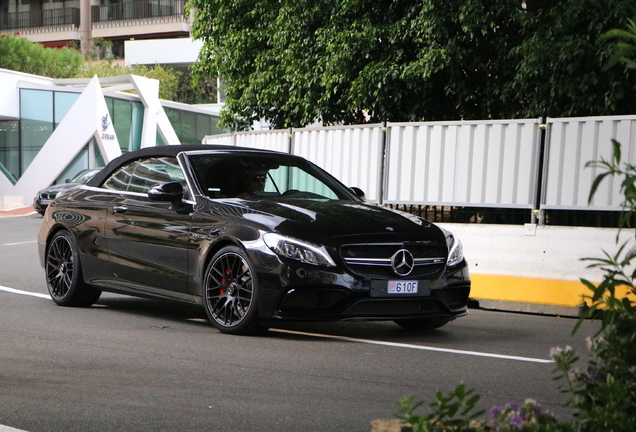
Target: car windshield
(84,176)
(263,177)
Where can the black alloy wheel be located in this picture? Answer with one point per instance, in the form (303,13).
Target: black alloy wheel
(230,292)
(64,273)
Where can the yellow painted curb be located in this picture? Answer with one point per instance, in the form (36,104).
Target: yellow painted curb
(528,290)
(532,290)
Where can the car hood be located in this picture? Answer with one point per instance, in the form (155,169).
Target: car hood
(60,187)
(325,221)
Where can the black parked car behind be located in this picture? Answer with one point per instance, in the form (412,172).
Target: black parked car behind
(254,237)
(44,197)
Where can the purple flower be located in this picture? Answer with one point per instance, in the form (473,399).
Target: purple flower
(555,351)
(513,406)
(495,411)
(516,422)
(591,376)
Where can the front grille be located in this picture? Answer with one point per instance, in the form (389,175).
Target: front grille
(48,195)
(309,298)
(395,308)
(374,260)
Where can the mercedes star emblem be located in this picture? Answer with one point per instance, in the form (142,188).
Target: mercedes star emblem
(402,262)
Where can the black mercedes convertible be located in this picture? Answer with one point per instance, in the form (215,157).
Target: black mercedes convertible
(254,236)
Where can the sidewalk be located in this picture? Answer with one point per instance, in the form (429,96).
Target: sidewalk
(17,212)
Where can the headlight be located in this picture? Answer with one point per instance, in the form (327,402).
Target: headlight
(298,250)
(455,249)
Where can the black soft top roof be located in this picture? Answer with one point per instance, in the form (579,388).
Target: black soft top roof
(161,151)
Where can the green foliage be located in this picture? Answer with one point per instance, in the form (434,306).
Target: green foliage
(453,412)
(604,394)
(560,62)
(17,53)
(356,61)
(456,413)
(173,85)
(20,54)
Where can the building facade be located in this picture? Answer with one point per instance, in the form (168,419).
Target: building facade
(87,23)
(50,129)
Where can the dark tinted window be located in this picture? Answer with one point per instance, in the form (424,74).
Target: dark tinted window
(139,176)
(120,178)
(228,175)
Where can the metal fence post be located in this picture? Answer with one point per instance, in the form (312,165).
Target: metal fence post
(290,149)
(537,213)
(384,165)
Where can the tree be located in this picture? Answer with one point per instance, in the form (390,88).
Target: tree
(351,61)
(19,54)
(560,62)
(355,61)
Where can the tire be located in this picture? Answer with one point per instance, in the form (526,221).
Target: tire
(63,269)
(231,292)
(422,323)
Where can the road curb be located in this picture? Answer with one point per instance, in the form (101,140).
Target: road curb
(17,212)
(534,308)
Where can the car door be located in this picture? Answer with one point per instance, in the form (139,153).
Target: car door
(147,239)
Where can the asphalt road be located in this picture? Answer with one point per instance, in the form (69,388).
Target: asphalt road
(130,364)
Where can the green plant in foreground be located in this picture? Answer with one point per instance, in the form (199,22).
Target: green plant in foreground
(603,393)
(450,413)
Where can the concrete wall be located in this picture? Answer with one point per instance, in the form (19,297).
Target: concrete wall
(534,268)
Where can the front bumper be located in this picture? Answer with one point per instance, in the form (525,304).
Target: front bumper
(296,292)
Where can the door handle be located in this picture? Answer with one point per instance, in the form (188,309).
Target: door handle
(120,209)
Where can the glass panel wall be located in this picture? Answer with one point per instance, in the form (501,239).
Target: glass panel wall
(191,127)
(79,163)
(174,116)
(10,149)
(36,117)
(41,111)
(128,121)
(122,121)
(63,103)
(137,125)
(82,161)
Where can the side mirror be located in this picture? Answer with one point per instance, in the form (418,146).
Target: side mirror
(359,193)
(172,192)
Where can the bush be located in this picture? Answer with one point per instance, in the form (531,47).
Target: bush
(19,54)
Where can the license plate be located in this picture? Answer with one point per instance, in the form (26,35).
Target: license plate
(402,287)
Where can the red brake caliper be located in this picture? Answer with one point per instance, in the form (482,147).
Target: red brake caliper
(224,282)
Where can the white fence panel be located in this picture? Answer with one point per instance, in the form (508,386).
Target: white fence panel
(353,154)
(573,143)
(277,140)
(480,163)
(224,139)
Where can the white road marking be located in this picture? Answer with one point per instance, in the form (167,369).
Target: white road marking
(15,291)
(417,347)
(4,428)
(349,339)
(19,243)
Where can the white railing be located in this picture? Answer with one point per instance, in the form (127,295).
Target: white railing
(504,163)
(482,164)
(572,143)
